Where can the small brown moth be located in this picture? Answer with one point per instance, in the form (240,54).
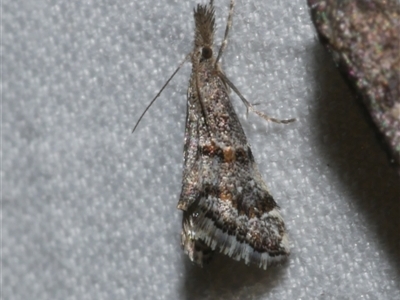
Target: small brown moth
(226,204)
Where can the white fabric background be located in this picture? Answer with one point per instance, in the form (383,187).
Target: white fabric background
(89,209)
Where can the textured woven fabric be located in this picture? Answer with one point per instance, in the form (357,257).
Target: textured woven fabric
(89,210)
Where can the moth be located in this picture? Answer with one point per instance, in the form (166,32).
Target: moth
(226,204)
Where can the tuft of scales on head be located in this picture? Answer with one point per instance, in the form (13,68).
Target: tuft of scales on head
(204,20)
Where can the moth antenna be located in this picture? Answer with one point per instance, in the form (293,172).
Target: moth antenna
(158,94)
(228,26)
(248,105)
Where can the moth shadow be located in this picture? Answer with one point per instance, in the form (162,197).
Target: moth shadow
(348,141)
(224,278)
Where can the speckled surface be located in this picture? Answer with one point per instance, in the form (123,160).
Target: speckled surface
(364,40)
(89,210)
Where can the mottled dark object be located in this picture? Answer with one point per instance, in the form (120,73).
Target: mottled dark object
(363,37)
(226,204)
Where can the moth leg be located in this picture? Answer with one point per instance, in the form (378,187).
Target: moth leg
(248,105)
(228,27)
